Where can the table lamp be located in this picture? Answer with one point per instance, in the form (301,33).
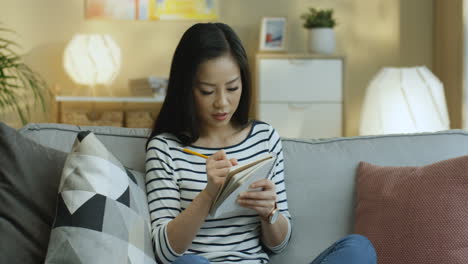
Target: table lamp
(404,100)
(92,59)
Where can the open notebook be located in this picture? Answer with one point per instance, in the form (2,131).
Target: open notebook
(238,180)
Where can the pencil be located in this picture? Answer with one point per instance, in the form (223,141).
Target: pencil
(193,152)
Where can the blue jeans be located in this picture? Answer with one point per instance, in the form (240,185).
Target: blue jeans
(352,249)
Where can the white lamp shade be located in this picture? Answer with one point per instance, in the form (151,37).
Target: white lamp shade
(92,59)
(404,100)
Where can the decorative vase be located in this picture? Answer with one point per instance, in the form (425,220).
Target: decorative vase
(322,40)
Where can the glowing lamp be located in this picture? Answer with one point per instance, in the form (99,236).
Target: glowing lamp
(92,59)
(404,100)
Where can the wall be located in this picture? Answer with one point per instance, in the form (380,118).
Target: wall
(370,34)
(464,106)
(448,55)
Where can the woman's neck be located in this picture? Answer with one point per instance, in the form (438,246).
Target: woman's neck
(222,137)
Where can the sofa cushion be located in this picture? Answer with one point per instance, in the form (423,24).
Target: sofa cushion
(118,140)
(415,214)
(102,212)
(29,178)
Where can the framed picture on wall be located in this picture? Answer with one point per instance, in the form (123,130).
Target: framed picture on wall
(183,9)
(152,9)
(111,9)
(273,34)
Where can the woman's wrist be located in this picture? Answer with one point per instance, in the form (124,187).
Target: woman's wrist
(206,196)
(266,218)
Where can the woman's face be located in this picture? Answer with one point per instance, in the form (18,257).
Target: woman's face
(217,91)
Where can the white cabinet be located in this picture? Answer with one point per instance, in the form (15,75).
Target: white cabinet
(301,96)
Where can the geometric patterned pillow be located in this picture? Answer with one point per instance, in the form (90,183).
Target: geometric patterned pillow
(102,212)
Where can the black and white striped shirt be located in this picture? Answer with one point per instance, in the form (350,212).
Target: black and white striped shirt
(174,178)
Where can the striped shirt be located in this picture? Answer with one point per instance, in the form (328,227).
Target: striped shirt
(174,178)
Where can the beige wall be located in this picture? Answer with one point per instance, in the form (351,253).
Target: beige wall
(370,34)
(449,55)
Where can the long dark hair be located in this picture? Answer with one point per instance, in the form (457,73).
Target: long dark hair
(201,42)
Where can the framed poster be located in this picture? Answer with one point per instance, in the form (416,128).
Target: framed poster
(184,9)
(152,9)
(273,34)
(111,9)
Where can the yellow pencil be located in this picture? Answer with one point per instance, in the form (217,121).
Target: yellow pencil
(193,152)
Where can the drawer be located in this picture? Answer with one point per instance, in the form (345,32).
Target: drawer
(93,118)
(314,120)
(300,80)
(139,119)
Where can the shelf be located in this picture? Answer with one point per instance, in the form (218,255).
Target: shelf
(110,99)
(108,111)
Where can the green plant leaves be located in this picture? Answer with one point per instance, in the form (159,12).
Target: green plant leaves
(18,80)
(318,18)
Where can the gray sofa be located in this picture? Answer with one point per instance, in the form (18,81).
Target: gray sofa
(320,174)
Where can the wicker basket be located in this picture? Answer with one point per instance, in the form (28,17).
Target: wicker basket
(84,118)
(138,119)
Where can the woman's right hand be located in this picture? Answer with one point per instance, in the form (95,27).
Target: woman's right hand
(217,168)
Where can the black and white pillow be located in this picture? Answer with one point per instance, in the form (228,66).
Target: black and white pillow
(102,211)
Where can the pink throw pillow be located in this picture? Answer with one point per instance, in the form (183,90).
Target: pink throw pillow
(416,215)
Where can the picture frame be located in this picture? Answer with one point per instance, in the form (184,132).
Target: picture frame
(197,10)
(273,34)
(108,9)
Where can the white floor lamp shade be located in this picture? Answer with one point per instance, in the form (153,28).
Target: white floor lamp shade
(404,100)
(92,59)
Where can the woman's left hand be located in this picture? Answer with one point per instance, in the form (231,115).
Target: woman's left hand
(262,201)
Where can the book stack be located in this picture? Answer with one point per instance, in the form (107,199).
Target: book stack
(151,86)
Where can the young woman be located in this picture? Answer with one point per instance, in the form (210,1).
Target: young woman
(206,110)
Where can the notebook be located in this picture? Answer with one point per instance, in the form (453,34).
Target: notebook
(238,180)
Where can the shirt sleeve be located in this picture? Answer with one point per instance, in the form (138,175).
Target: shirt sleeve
(278,178)
(163,196)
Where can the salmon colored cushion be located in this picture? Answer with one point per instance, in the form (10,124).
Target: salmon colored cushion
(416,215)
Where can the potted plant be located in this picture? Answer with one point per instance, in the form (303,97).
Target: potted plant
(320,24)
(18,82)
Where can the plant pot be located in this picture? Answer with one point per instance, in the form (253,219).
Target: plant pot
(322,40)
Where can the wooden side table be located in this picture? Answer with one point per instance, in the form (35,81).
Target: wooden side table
(108,111)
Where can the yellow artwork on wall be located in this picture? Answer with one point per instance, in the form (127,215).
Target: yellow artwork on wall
(152,9)
(184,9)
